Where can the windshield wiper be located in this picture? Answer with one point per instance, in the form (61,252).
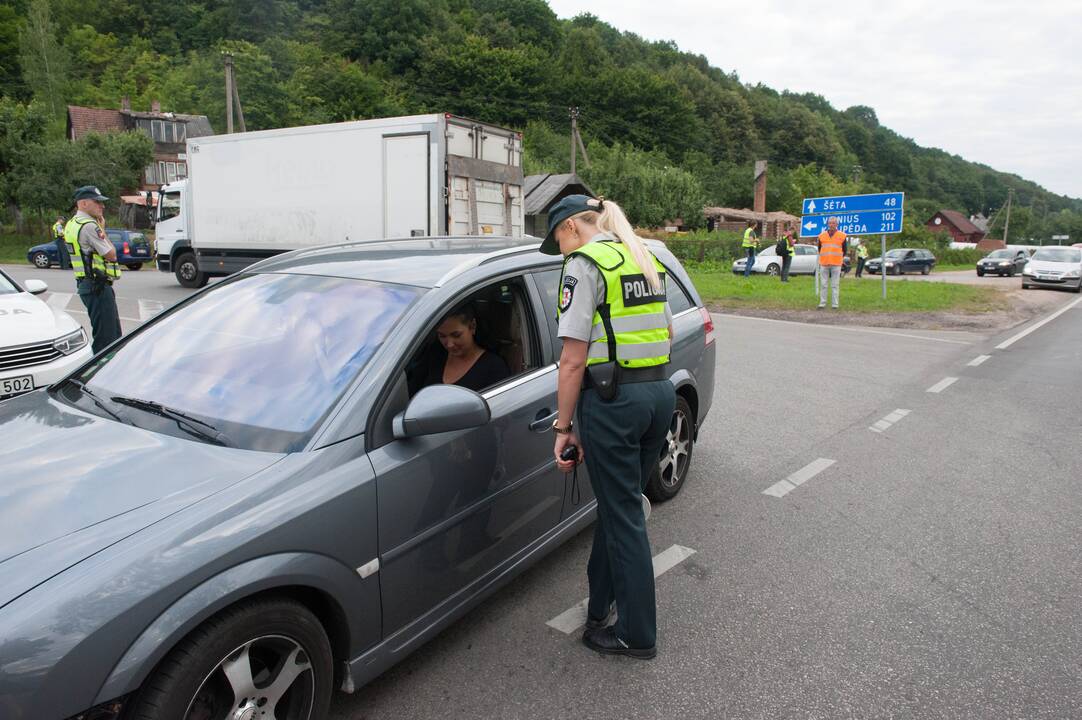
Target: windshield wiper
(186,423)
(97,401)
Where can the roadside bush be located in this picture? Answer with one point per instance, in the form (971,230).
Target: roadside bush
(968,256)
(701,246)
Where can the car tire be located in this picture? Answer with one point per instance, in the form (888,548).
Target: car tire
(188,273)
(773,269)
(672,469)
(134,266)
(898,271)
(1025,286)
(925,270)
(254,643)
(980,273)
(1078,288)
(41,260)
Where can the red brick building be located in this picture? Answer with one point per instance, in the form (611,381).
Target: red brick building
(168,130)
(957,225)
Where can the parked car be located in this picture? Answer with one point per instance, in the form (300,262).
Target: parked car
(132,250)
(249,500)
(805,260)
(903,260)
(1054,267)
(38,343)
(1004,261)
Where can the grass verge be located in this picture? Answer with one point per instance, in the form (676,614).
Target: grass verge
(727,291)
(13,247)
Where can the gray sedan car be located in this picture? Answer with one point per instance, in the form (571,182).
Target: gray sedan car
(252,500)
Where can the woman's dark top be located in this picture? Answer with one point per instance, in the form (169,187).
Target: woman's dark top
(487,370)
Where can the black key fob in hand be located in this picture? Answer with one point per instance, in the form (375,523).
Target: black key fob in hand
(571,452)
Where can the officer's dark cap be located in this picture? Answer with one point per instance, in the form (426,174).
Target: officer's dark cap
(88,192)
(567,207)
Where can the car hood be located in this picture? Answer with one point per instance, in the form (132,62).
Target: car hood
(26,319)
(1050,266)
(73,483)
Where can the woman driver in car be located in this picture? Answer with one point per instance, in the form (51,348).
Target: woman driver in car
(467,364)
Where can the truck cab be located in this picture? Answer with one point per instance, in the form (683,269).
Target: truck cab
(172,217)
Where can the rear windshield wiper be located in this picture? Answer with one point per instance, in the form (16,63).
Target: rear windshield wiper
(187,423)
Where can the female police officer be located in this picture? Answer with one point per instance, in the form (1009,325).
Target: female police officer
(616,328)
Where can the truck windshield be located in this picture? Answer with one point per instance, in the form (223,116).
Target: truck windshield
(259,360)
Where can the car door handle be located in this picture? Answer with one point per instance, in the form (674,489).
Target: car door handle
(544,423)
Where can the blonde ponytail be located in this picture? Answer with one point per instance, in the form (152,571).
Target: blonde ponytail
(613,220)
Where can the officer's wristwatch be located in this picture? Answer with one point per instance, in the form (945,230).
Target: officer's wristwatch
(559,430)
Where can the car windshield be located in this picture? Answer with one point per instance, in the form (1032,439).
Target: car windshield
(896,253)
(6,285)
(1001,254)
(261,359)
(1059,254)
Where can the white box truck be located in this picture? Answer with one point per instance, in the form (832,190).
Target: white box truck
(249,196)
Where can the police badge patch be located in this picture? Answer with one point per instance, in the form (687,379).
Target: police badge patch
(567,292)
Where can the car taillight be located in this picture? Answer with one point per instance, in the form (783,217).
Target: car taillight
(127,251)
(708,325)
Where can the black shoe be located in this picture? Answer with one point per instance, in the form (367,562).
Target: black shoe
(592,624)
(604,641)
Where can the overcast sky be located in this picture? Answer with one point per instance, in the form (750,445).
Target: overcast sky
(997,82)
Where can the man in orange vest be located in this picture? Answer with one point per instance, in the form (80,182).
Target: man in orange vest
(832,249)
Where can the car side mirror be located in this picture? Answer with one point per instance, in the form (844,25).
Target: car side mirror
(35,287)
(439,409)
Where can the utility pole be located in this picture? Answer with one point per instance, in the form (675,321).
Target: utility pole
(574,135)
(1007,222)
(232,96)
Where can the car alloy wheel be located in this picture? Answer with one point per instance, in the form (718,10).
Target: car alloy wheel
(772,269)
(41,260)
(672,468)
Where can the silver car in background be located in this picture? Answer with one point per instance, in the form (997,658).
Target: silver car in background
(805,260)
(1054,267)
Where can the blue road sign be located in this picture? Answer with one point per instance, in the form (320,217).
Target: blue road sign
(852,203)
(872,222)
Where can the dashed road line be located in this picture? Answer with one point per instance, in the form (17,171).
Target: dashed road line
(978,360)
(942,385)
(888,421)
(1010,341)
(574,617)
(801,476)
(59,300)
(149,308)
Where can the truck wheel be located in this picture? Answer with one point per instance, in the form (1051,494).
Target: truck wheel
(265,659)
(672,469)
(188,273)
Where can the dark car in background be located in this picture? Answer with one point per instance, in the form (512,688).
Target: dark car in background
(253,499)
(903,260)
(1002,262)
(132,250)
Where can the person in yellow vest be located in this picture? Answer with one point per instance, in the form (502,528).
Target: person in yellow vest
(616,327)
(61,247)
(862,257)
(93,258)
(750,245)
(787,248)
(832,248)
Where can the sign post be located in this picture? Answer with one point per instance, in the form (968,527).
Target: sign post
(878,213)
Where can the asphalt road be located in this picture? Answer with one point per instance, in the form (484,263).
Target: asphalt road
(884,524)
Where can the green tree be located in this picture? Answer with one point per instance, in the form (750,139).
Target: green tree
(44,61)
(651,190)
(22,131)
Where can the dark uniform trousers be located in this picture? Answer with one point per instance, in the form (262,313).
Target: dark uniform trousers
(64,258)
(622,440)
(100,302)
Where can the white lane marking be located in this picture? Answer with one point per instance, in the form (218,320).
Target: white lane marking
(150,308)
(888,421)
(846,329)
(59,300)
(574,617)
(801,476)
(978,360)
(1007,343)
(942,385)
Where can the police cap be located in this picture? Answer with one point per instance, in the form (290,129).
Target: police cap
(567,207)
(88,192)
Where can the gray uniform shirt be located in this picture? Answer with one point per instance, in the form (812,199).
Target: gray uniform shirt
(582,289)
(92,237)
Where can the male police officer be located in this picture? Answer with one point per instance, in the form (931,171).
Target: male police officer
(93,258)
(61,247)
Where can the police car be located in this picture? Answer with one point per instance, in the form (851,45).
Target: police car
(38,344)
